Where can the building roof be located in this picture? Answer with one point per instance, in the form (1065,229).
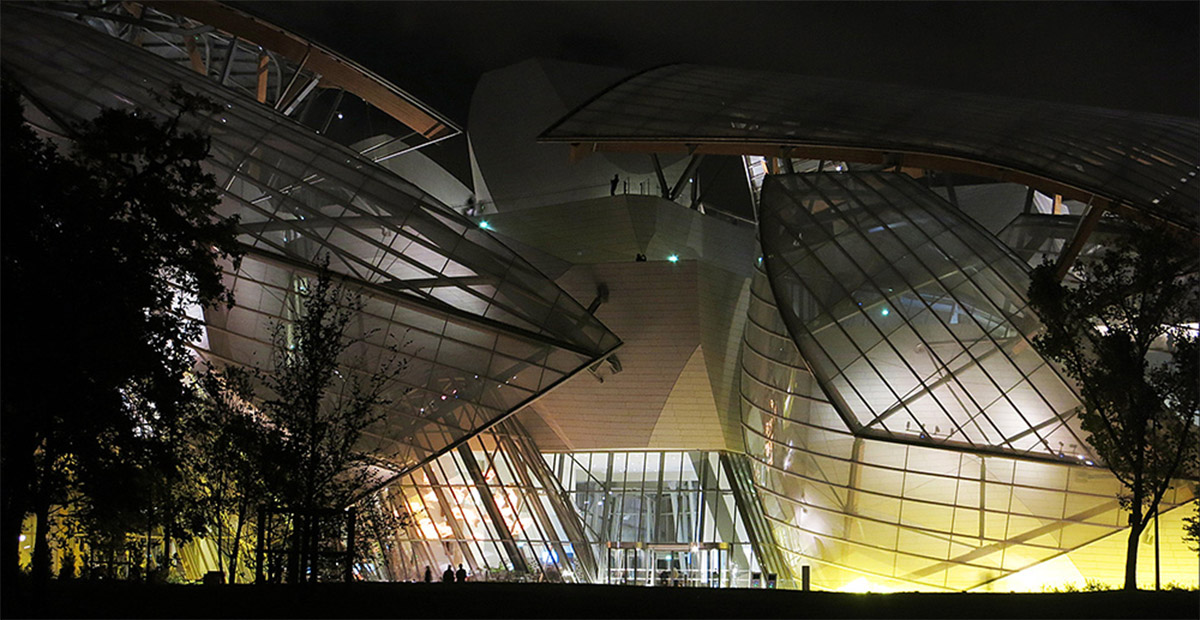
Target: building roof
(1136,163)
(913,320)
(483,332)
(335,70)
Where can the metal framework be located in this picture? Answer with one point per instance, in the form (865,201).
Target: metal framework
(903,434)
(1143,165)
(493,505)
(912,318)
(254,58)
(484,332)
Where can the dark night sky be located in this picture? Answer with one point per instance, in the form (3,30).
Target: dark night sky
(1141,56)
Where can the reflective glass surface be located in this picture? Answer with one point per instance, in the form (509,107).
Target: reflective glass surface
(912,318)
(484,330)
(491,505)
(868,514)
(656,512)
(1148,161)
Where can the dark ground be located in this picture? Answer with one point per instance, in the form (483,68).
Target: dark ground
(500,600)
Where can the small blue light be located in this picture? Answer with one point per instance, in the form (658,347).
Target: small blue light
(484,224)
(884,312)
(674,258)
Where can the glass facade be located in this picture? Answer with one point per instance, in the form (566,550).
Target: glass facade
(1146,161)
(483,330)
(911,318)
(509,513)
(861,423)
(491,505)
(660,518)
(900,431)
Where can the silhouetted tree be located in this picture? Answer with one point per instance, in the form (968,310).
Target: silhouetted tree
(1191,526)
(234,442)
(318,400)
(1126,334)
(101,250)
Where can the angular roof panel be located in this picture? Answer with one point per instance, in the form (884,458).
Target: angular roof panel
(913,319)
(488,332)
(1144,163)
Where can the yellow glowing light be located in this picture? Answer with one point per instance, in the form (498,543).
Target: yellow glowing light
(864,585)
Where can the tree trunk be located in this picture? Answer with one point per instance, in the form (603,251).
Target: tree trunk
(167,559)
(220,540)
(1131,556)
(293,555)
(237,542)
(41,545)
(149,545)
(1136,525)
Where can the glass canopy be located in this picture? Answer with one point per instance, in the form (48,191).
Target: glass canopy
(912,318)
(484,331)
(1148,162)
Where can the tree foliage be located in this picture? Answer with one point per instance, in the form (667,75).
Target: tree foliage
(1126,335)
(102,249)
(286,434)
(319,397)
(234,445)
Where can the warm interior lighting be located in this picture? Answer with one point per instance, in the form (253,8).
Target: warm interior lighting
(863,585)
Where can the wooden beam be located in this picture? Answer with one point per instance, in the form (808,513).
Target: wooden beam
(263,74)
(135,9)
(335,71)
(909,162)
(194,54)
(579,151)
(1087,225)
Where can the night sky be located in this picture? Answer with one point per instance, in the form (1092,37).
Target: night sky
(1138,56)
(1141,56)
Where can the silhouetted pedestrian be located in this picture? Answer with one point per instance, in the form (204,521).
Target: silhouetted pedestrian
(428,575)
(460,575)
(612,188)
(448,576)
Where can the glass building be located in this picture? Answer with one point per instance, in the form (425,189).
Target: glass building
(634,388)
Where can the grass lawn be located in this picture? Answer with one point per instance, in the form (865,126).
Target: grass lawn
(81,599)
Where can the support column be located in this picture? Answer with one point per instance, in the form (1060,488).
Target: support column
(448,514)
(1087,225)
(230,53)
(687,174)
(662,179)
(489,504)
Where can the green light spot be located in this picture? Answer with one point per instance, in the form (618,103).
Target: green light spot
(884,312)
(484,224)
(674,258)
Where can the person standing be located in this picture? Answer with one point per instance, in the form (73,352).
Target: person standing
(428,574)
(460,575)
(448,576)
(612,187)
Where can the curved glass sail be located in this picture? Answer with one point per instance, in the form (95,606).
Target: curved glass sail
(867,513)
(913,320)
(484,331)
(1147,162)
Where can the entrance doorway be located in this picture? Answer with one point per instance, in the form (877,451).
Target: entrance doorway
(703,565)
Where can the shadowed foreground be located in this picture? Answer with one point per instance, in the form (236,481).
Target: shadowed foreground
(484,600)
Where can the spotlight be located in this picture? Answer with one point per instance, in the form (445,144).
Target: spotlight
(674,258)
